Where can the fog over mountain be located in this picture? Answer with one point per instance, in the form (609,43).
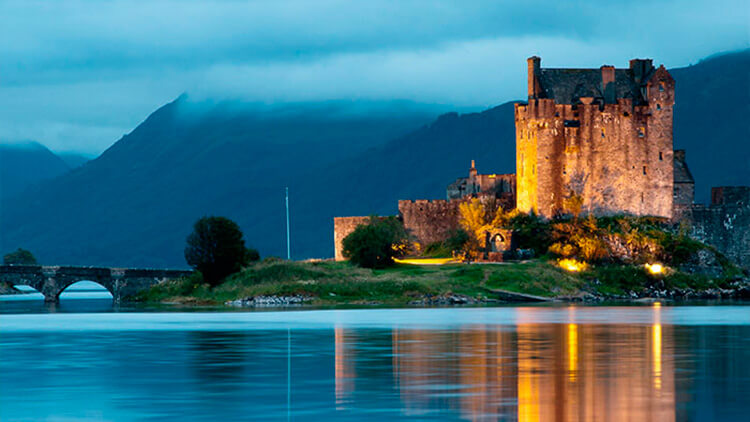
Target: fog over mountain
(135,204)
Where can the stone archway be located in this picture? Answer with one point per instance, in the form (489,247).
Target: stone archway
(497,243)
(106,286)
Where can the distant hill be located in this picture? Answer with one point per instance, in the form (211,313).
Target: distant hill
(135,204)
(712,120)
(26,164)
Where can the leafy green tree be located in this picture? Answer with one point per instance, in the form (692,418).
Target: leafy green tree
(20,257)
(374,245)
(216,248)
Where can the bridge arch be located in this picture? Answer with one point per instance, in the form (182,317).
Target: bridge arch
(66,289)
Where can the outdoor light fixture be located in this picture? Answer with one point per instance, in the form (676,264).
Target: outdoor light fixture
(572,265)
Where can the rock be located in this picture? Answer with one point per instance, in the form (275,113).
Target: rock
(257,301)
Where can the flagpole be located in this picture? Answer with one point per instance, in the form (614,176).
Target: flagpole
(288,247)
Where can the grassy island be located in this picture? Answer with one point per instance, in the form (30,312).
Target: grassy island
(328,282)
(577,259)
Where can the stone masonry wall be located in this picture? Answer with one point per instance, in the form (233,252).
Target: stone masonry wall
(725,224)
(342,226)
(429,221)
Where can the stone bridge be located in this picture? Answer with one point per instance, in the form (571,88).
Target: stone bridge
(52,280)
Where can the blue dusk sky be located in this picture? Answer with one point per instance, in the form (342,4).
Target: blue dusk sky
(76,75)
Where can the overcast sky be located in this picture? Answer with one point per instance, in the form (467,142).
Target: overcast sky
(76,75)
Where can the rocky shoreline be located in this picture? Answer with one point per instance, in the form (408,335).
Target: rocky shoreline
(739,289)
(269,301)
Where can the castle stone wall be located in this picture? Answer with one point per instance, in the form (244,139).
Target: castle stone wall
(725,224)
(342,227)
(429,221)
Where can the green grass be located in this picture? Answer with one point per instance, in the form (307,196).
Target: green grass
(330,282)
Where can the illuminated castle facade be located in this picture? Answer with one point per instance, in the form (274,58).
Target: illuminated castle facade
(604,135)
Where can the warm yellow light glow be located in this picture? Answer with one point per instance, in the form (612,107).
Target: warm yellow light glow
(657,355)
(656,345)
(572,351)
(572,265)
(655,268)
(426,261)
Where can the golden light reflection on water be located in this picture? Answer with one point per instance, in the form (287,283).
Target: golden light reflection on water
(530,371)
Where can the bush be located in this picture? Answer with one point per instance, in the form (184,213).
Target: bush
(216,248)
(20,257)
(252,255)
(374,245)
(531,231)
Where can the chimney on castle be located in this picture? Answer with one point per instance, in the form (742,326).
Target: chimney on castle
(534,66)
(641,68)
(608,84)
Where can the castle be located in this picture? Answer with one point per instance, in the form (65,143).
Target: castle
(602,136)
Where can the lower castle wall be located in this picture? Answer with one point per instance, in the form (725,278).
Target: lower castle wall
(429,221)
(725,224)
(342,227)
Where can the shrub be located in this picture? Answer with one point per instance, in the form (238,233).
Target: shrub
(20,257)
(531,231)
(252,255)
(216,248)
(374,245)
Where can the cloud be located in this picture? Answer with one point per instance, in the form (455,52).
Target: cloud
(76,75)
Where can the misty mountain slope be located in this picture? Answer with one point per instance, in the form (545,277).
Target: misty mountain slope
(135,204)
(24,165)
(712,120)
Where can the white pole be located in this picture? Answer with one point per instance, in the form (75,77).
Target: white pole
(288,247)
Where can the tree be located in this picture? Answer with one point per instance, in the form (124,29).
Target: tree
(20,257)
(216,248)
(374,245)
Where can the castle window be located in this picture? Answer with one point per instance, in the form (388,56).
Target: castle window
(557,114)
(602,133)
(658,106)
(575,114)
(626,114)
(644,169)
(641,132)
(661,86)
(660,157)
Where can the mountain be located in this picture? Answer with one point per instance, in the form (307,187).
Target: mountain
(73,159)
(711,120)
(26,164)
(135,204)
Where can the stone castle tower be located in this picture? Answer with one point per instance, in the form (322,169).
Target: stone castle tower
(604,135)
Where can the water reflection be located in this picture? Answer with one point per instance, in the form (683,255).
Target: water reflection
(523,370)
(541,372)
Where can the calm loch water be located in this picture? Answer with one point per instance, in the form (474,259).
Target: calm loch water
(637,363)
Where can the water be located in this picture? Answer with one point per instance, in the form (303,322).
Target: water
(84,360)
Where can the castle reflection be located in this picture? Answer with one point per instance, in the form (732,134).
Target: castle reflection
(529,371)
